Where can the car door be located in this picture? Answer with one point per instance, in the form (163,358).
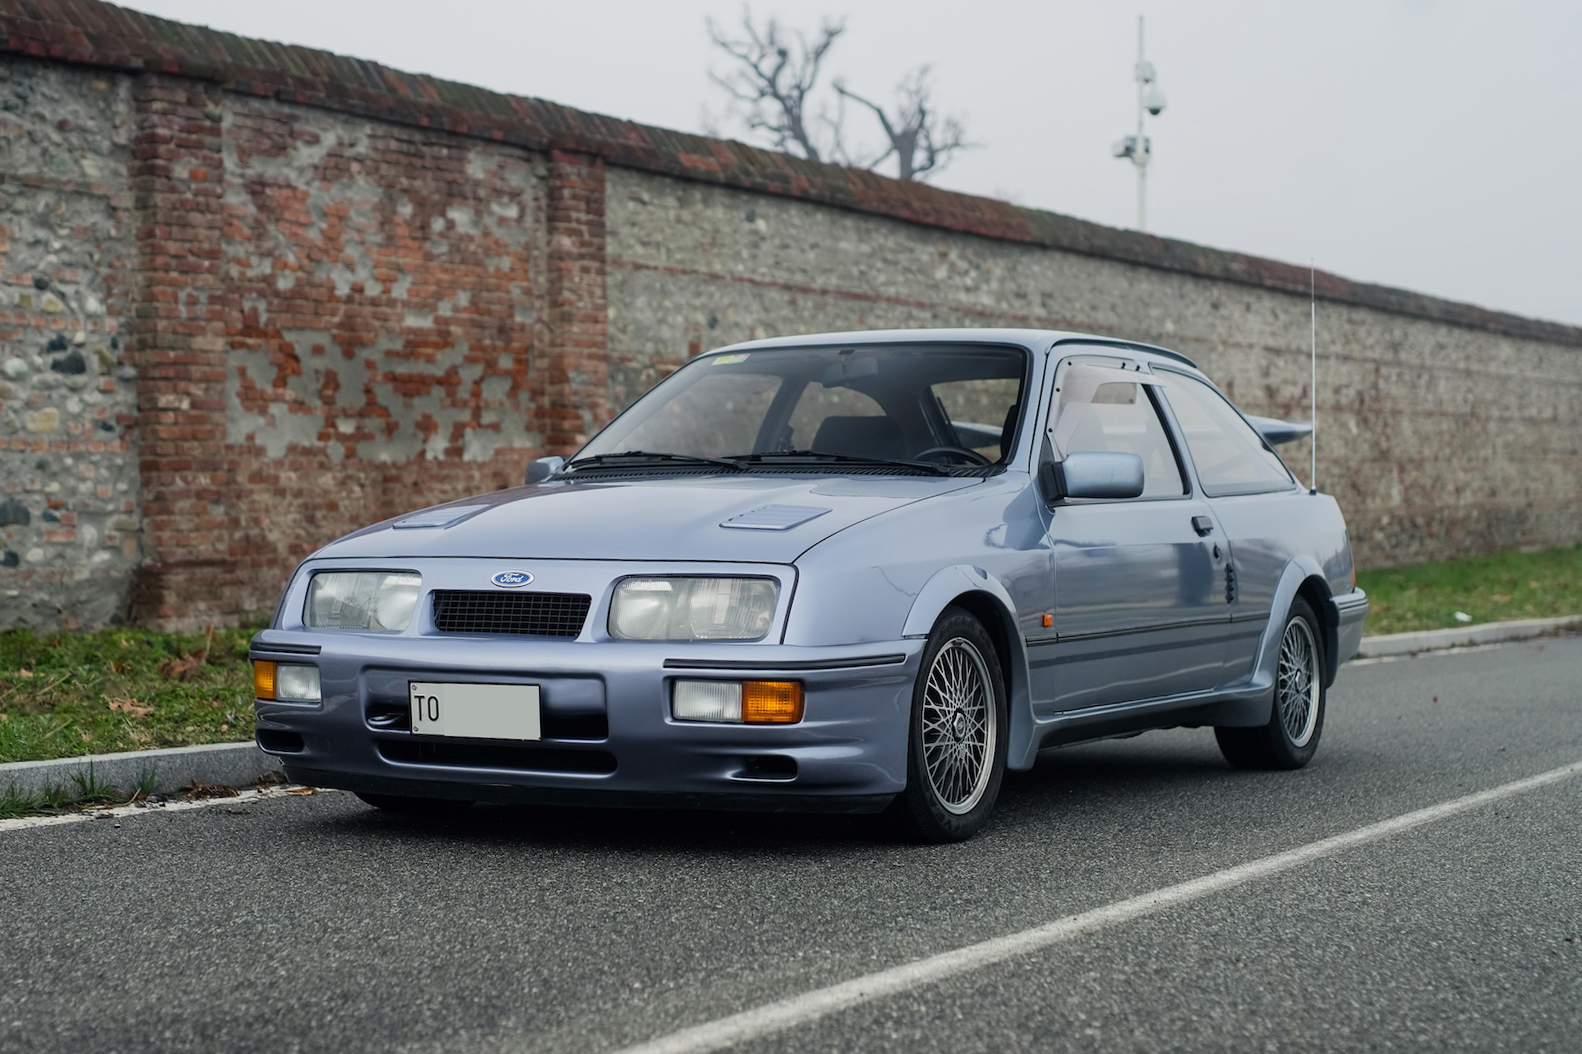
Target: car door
(1139,604)
(1251,493)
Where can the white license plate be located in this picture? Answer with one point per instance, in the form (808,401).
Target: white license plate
(475,711)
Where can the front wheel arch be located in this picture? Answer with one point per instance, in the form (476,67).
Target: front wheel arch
(986,599)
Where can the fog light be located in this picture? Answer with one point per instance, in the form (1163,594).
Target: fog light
(707,701)
(297,684)
(772,702)
(737,702)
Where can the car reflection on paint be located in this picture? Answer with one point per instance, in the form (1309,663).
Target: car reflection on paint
(859,572)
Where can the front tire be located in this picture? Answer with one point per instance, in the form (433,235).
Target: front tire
(955,757)
(1290,738)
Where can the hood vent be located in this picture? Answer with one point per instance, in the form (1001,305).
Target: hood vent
(437,517)
(774,517)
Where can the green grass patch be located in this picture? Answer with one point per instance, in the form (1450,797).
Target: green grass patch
(1544,584)
(68,694)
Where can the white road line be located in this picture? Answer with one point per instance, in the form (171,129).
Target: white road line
(23,823)
(809,1006)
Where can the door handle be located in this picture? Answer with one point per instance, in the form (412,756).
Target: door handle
(1202,525)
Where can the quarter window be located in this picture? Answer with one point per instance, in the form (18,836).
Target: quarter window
(1230,457)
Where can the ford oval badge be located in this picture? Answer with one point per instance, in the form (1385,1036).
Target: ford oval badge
(512,579)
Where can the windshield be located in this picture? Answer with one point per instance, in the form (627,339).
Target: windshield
(955,404)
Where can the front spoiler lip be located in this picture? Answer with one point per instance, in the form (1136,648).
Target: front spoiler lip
(733,799)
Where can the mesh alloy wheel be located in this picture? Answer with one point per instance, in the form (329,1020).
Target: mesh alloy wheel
(1296,691)
(1290,736)
(960,726)
(956,740)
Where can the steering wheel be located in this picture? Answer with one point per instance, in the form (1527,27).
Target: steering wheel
(971,457)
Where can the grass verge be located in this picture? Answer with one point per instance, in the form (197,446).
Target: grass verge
(1543,584)
(69,694)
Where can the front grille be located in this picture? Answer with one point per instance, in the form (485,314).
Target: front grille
(530,614)
(523,758)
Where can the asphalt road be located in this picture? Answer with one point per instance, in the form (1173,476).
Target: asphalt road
(312,923)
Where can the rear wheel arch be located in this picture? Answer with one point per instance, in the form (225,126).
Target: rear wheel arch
(1315,590)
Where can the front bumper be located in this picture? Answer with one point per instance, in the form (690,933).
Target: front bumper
(608,734)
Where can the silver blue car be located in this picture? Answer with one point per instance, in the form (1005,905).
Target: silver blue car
(861,572)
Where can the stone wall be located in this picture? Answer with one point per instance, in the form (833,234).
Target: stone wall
(1437,438)
(68,477)
(253,297)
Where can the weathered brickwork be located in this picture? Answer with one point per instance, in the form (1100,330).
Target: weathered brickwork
(68,480)
(353,323)
(254,297)
(1437,439)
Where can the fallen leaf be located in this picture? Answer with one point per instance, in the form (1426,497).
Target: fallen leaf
(1500,598)
(195,790)
(24,673)
(182,669)
(130,706)
(302,790)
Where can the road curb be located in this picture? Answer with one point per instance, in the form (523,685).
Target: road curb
(1463,636)
(169,770)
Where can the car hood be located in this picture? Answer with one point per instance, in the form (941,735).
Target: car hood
(776,519)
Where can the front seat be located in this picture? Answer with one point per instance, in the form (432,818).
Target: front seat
(860,437)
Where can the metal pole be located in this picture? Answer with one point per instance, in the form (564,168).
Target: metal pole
(1141,157)
(1312,387)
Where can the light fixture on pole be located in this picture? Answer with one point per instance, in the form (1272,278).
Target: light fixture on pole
(1150,100)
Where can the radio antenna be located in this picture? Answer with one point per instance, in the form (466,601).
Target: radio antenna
(1312,388)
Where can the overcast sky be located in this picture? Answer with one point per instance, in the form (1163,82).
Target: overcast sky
(1434,145)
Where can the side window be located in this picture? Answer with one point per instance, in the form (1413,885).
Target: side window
(1118,417)
(1230,457)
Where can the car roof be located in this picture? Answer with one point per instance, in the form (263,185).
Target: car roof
(1038,341)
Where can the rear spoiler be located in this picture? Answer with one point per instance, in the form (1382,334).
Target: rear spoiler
(1275,432)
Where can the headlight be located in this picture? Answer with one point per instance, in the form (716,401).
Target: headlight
(693,608)
(377,600)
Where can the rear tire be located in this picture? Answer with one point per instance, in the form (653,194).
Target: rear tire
(1296,719)
(414,806)
(955,758)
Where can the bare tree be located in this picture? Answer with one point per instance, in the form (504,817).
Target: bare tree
(774,76)
(773,81)
(921,141)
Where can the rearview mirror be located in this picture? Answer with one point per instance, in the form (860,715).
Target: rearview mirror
(1099,474)
(541,468)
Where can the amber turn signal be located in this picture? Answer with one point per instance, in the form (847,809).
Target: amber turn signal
(263,679)
(771,702)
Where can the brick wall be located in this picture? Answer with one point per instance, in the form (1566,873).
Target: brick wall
(252,298)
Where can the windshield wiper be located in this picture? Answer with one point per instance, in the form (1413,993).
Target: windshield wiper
(791,457)
(640,457)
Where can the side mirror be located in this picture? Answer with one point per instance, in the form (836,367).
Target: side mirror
(1097,474)
(541,468)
